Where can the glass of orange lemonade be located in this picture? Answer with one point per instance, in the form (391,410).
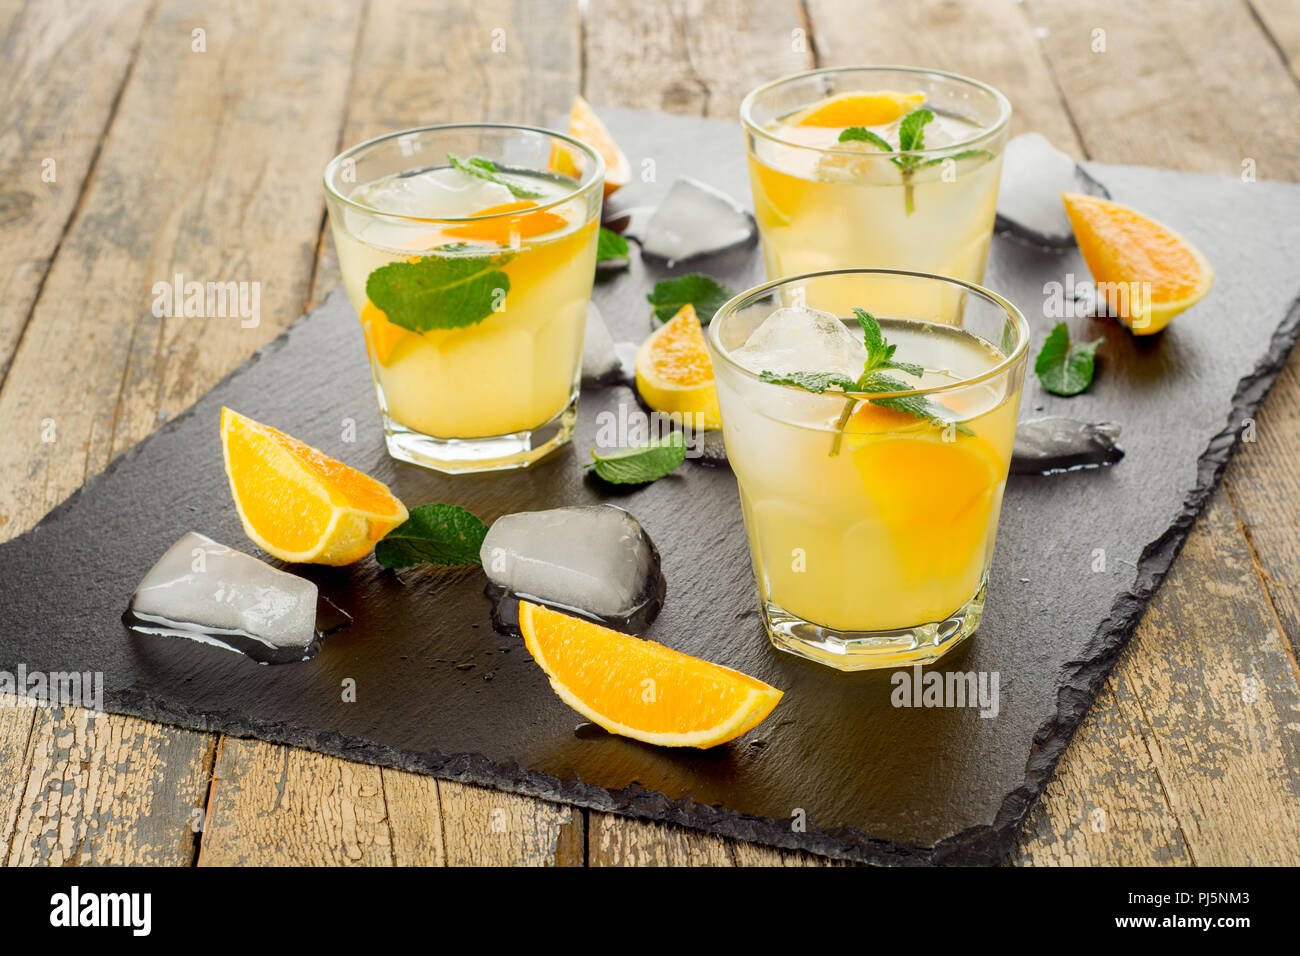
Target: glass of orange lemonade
(469,253)
(870,501)
(886,167)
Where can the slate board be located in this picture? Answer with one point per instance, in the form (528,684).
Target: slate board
(438,691)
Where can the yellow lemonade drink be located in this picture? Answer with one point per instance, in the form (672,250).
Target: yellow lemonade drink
(875,167)
(871,514)
(471,276)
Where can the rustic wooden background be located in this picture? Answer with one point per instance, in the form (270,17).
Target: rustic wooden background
(208,163)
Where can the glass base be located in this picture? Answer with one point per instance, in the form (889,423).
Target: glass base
(872,650)
(461,456)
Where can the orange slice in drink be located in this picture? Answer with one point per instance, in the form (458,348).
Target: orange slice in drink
(585,125)
(640,689)
(674,373)
(505,228)
(299,504)
(1146,272)
(382,336)
(859,109)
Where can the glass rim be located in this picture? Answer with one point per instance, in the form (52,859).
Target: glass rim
(984,134)
(594,175)
(1019,322)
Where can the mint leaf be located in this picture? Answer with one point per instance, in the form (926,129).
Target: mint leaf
(704,292)
(610,247)
(955,157)
(481,168)
(641,464)
(439,291)
(864,135)
(880,355)
(817,382)
(1064,367)
(916,405)
(433,534)
(911,131)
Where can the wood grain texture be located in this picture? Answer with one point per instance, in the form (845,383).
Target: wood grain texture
(484,827)
(105,789)
(990,41)
(1281,21)
(65,63)
(689,56)
(618,841)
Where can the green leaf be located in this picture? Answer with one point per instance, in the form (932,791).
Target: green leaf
(916,405)
(641,464)
(864,135)
(433,534)
(481,168)
(704,292)
(817,382)
(911,131)
(610,246)
(1064,367)
(439,291)
(956,157)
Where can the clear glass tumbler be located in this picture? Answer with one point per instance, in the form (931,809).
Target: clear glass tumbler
(469,253)
(823,202)
(871,528)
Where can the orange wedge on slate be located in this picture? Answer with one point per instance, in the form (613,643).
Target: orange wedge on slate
(299,504)
(585,125)
(1146,272)
(640,689)
(674,372)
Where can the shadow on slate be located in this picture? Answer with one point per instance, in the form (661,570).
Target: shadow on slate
(440,692)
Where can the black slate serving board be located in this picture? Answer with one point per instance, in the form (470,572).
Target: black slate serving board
(438,691)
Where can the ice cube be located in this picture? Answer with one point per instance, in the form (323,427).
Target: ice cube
(696,220)
(594,560)
(445,193)
(213,594)
(798,339)
(1046,446)
(601,362)
(1034,174)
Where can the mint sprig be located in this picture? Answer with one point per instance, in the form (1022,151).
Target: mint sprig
(641,464)
(440,291)
(481,168)
(611,249)
(433,534)
(1065,367)
(706,293)
(911,137)
(880,359)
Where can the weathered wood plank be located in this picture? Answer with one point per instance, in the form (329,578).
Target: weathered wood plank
(1194,85)
(105,789)
(484,827)
(15,731)
(991,42)
(1281,20)
(64,65)
(619,841)
(414,818)
(689,56)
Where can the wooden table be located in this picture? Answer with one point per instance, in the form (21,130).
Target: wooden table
(143,138)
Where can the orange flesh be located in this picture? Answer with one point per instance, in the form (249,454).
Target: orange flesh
(680,356)
(1121,245)
(504,230)
(634,682)
(862,109)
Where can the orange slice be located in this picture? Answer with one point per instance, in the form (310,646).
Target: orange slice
(299,504)
(585,125)
(382,336)
(505,228)
(640,689)
(674,373)
(1146,272)
(859,109)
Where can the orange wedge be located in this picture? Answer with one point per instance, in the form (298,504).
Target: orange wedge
(299,504)
(859,109)
(585,125)
(1146,272)
(504,228)
(674,373)
(641,689)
